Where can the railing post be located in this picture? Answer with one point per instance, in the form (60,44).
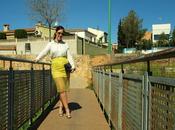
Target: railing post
(98,71)
(122,70)
(31,94)
(111,70)
(103,90)
(43,103)
(109,116)
(83,47)
(120,101)
(149,103)
(51,87)
(11,97)
(145,102)
(148,68)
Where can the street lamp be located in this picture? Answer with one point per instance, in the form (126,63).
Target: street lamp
(109,26)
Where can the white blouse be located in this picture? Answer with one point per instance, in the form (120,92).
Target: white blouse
(56,50)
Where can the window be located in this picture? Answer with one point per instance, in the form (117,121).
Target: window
(156,37)
(27,47)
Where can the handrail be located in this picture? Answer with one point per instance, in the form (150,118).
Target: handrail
(148,57)
(21,60)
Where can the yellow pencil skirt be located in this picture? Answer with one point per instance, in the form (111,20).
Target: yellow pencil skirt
(59,74)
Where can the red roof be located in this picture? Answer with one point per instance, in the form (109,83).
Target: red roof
(11,32)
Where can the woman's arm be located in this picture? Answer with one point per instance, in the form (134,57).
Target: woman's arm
(70,59)
(43,52)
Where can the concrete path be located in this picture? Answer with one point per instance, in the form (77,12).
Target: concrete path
(86,114)
(78,82)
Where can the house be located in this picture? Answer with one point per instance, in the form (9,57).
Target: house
(101,36)
(42,30)
(10,33)
(78,40)
(85,34)
(158,29)
(147,36)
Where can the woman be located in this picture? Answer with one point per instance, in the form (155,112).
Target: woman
(60,56)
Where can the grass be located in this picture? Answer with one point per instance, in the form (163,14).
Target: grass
(162,68)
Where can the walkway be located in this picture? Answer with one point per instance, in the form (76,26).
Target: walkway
(86,114)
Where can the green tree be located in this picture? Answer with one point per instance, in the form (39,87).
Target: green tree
(132,29)
(3,35)
(20,33)
(163,40)
(147,44)
(47,11)
(172,40)
(121,37)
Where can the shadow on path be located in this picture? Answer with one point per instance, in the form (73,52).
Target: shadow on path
(74,106)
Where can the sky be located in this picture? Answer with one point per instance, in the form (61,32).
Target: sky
(82,14)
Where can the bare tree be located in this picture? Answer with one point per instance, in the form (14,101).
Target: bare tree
(47,11)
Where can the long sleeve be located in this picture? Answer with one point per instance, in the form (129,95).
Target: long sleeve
(70,59)
(43,52)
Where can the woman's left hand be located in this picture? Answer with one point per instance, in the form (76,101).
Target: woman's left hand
(72,70)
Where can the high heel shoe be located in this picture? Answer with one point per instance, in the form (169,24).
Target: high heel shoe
(60,111)
(68,115)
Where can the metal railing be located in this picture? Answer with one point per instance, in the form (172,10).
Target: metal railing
(137,101)
(24,94)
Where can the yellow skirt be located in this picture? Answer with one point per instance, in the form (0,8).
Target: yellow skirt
(59,74)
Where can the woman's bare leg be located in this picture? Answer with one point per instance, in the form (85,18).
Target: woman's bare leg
(60,103)
(60,83)
(60,110)
(63,97)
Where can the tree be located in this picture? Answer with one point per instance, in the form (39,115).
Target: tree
(47,11)
(121,38)
(172,40)
(3,35)
(20,33)
(145,45)
(163,40)
(131,27)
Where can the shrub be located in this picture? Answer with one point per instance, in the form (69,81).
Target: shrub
(20,33)
(3,35)
(144,45)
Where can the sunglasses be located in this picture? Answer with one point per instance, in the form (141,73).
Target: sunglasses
(59,33)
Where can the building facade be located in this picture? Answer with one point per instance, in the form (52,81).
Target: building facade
(101,36)
(158,29)
(38,37)
(85,34)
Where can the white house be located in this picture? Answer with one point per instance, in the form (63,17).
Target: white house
(158,29)
(101,35)
(85,34)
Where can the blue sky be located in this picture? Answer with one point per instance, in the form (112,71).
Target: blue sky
(93,13)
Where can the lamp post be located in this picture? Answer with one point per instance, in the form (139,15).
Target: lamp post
(109,26)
